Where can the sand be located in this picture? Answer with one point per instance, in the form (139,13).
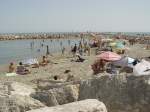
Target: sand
(57,66)
(61,63)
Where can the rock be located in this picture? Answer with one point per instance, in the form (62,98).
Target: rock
(16,96)
(8,104)
(89,105)
(21,89)
(118,92)
(46,98)
(27,103)
(50,84)
(58,96)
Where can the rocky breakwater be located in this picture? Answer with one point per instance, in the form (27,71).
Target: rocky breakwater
(40,36)
(15,97)
(119,93)
(52,93)
(89,105)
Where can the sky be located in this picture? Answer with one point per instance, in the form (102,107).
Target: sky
(74,15)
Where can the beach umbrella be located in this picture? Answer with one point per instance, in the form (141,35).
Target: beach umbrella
(109,56)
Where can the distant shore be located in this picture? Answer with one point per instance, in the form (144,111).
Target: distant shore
(25,38)
(42,36)
(74,35)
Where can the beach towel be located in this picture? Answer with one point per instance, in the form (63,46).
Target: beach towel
(124,62)
(142,68)
(30,61)
(11,74)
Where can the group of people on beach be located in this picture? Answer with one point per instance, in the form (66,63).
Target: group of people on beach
(77,51)
(81,48)
(21,69)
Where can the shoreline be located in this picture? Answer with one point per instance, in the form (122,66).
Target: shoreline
(4,67)
(133,53)
(60,63)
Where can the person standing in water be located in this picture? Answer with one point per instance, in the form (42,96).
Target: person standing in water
(61,43)
(42,44)
(74,50)
(69,42)
(63,50)
(47,50)
(80,48)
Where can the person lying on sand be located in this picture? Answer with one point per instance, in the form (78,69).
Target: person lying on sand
(22,70)
(35,65)
(11,68)
(80,59)
(44,61)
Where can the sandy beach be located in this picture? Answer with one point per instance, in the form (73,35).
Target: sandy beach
(59,64)
(74,56)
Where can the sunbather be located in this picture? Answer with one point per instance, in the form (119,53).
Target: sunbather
(36,65)
(22,70)
(80,59)
(98,66)
(44,61)
(11,67)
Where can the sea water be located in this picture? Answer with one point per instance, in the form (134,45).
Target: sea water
(17,50)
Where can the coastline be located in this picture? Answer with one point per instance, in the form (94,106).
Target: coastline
(4,67)
(133,52)
(57,67)
(60,63)
(38,56)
